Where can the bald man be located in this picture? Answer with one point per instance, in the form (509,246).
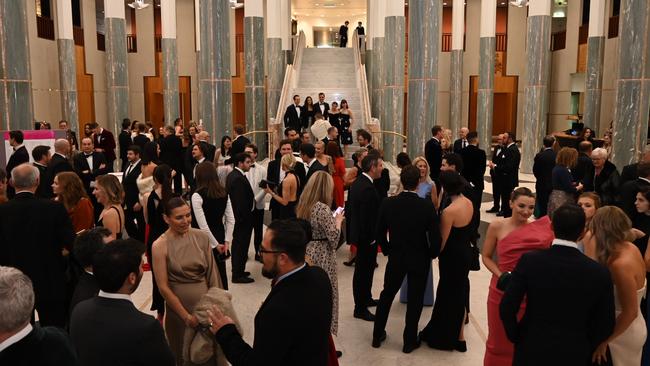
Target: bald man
(462,142)
(60,161)
(204,137)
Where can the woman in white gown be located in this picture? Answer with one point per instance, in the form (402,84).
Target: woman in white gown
(610,228)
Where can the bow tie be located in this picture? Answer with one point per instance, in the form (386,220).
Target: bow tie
(87,155)
(252,165)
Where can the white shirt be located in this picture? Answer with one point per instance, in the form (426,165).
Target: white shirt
(322,108)
(565,243)
(289,273)
(89,159)
(16,337)
(647,180)
(255,176)
(229,219)
(109,295)
(131,167)
(297,110)
(61,155)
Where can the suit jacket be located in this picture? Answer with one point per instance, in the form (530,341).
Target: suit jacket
(171,152)
(43,190)
(241,196)
(130,185)
(135,338)
(58,164)
(583,172)
(628,193)
(474,165)
(542,169)
(414,229)
(326,112)
(315,166)
(552,331)
(273,175)
(81,166)
(382,184)
(291,117)
(48,346)
(87,288)
(239,145)
(433,154)
(508,168)
(125,141)
(458,145)
(106,141)
(212,150)
(629,173)
(364,204)
(33,231)
(140,140)
(19,156)
(291,327)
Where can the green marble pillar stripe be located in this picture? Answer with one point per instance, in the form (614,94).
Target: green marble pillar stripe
(170,80)
(485,94)
(254,91)
(594,82)
(393,99)
(68,80)
(378,77)
(16,104)
(456,92)
(117,78)
(369,68)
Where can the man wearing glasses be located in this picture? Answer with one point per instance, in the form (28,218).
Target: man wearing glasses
(293,324)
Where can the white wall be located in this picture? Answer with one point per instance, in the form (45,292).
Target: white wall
(307,23)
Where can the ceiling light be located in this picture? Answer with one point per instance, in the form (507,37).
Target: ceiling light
(138,4)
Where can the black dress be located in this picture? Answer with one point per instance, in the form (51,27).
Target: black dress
(288,211)
(307,117)
(449,310)
(345,133)
(157,226)
(100,222)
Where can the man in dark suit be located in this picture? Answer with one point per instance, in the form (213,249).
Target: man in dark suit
(86,245)
(275,174)
(239,142)
(322,106)
(41,155)
(171,151)
(60,161)
(19,156)
(312,165)
(125,141)
(292,114)
(433,153)
(508,172)
(242,199)
(69,134)
(211,150)
(583,172)
(462,140)
(133,214)
(104,143)
(474,165)
(343,34)
(543,170)
(140,139)
(33,232)
(198,152)
(629,189)
(135,338)
(364,206)
(559,284)
(333,136)
(414,241)
(89,165)
(293,324)
(629,172)
(22,344)
(496,182)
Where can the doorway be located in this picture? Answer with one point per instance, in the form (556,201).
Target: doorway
(505,104)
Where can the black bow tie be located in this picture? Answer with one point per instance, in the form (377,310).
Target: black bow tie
(87,155)
(252,165)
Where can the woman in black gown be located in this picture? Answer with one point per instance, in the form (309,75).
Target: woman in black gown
(445,329)
(287,192)
(334,118)
(162,192)
(345,132)
(307,113)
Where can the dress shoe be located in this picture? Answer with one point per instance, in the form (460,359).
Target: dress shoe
(350,263)
(246,274)
(364,315)
(258,257)
(339,354)
(376,342)
(408,348)
(461,346)
(500,213)
(242,280)
(494,209)
(373,303)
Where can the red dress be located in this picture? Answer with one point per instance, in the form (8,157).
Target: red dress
(339,175)
(536,235)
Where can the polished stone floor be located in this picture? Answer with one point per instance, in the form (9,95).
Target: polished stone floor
(355,335)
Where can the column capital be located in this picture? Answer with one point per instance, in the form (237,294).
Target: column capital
(457,24)
(395,8)
(114,9)
(597,18)
(254,8)
(489,17)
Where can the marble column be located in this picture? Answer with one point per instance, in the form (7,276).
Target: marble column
(595,58)
(487,51)
(16,105)
(67,63)
(169,61)
(254,59)
(117,77)
(538,43)
(394,27)
(378,71)
(456,67)
(275,60)
(424,40)
(285,30)
(197,49)
(632,83)
(215,79)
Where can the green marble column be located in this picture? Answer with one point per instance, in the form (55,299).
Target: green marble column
(117,77)
(169,61)
(254,56)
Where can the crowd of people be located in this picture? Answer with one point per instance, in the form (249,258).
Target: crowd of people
(568,262)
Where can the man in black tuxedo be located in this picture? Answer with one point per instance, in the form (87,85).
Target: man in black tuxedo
(242,199)
(198,153)
(70,135)
(474,165)
(543,171)
(333,136)
(364,206)
(414,241)
(86,245)
(629,189)
(140,139)
(60,161)
(133,214)
(33,232)
(343,34)
(508,172)
(89,165)
(135,338)
(171,152)
(462,140)
(22,344)
(583,172)
(322,106)
(629,172)
(292,114)
(19,156)
(104,142)
(496,182)
(239,142)
(312,165)
(559,284)
(275,174)
(433,153)
(41,155)
(293,324)
(125,141)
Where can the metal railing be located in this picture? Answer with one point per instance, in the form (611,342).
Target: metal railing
(362,82)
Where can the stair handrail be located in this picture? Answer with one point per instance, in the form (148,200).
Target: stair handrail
(362,81)
(276,124)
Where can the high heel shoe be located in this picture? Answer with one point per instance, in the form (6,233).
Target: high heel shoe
(350,263)
(461,346)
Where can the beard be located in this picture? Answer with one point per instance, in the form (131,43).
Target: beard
(272,272)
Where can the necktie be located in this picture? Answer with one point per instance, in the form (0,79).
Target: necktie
(464,144)
(128,170)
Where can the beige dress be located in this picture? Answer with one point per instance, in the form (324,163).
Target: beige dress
(321,252)
(192,272)
(145,186)
(627,348)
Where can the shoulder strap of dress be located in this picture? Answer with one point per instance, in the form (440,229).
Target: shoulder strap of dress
(119,216)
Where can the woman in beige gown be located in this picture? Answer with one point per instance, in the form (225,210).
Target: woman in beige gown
(184,269)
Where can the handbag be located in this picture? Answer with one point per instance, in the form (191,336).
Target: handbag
(475,254)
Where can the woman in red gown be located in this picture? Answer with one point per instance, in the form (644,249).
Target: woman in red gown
(511,237)
(334,151)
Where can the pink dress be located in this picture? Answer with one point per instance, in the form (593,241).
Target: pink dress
(536,235)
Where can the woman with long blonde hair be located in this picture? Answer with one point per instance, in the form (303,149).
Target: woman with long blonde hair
(287,192)
(611,230)
(110,194)
(69,190)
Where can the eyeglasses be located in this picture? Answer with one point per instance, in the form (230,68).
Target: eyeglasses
(262,251)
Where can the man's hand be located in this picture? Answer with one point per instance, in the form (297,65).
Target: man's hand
(217,319)
(137,207)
